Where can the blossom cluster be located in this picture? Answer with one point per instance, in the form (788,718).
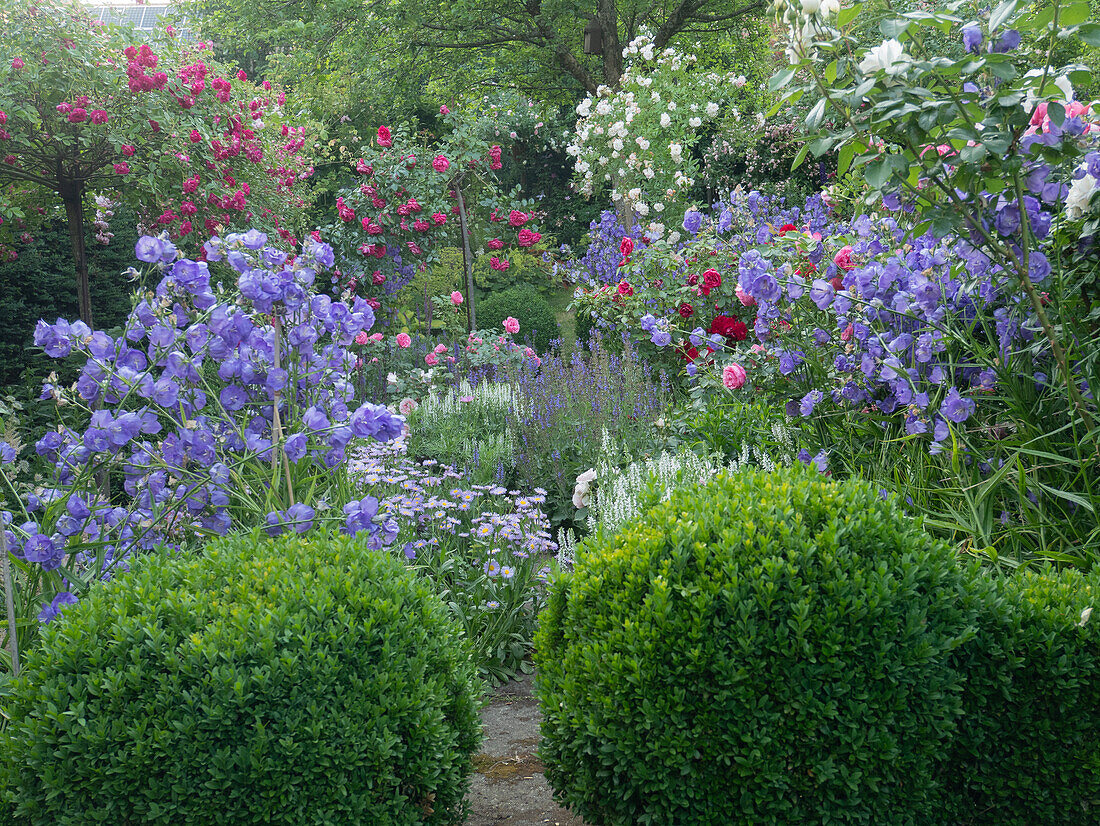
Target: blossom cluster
(637,141)
(199,383)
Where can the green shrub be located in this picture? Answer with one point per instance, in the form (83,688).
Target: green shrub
(1027,750)
(537,323)
(290,681)
(767,649)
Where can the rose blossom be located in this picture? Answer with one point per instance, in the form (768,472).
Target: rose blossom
(511,325)
(456,298)
(384,136)
(403,340)
(733,376)
(843,259)
(440,164)
(431,359)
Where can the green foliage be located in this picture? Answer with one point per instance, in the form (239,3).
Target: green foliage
(291,681)
(40,283)
(470,435)
(537,324)
(767,649)
(525,271)
(1028,747)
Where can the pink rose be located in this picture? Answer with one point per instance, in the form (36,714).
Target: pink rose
(99,116)
(128,150)
(495,244)
(733,376)
(403,340)
(456,298)
(431,359)
(406,406)
(517,218)
(440,164)
(362,337)
(439,219)
(376,336)
(511,325)
(443,110)
(843,259)
(744,297)
(439,349)
(122,168)
(499,264)
(384,136)
(527,238)
(17,64)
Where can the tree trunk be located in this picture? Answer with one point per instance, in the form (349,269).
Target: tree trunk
(608,16)
(467,261)
(72,194)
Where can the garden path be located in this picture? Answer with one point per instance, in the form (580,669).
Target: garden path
(509,788)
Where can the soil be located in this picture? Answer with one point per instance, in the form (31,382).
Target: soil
(508,787)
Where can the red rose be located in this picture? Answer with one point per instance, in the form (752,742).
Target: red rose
(729,327)
(626,247)
(384,136)
(517,218)
(625,288)
(783,230)
(686,310)
(712,279)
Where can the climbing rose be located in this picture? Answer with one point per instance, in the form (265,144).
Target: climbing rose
(527,238)
(384,136)
(517,218)
(440,164)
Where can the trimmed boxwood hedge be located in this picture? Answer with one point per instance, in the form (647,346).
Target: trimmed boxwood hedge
(1027,750)
(524,303)
(291,681)
(781,649)
(767,649)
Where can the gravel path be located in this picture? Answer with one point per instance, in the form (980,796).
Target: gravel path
(508,788)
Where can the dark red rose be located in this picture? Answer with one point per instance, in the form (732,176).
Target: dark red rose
(686,310)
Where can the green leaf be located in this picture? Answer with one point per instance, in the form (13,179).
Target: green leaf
(800,157)
(893,28)
(846,16)
(844,158)
(1056,112)
(817,114)
(1090,33)
(1001,14)
(1075,14)
(782,78)
(830,73)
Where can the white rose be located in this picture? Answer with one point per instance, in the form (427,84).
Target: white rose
(672,106)
(712,110)
(830,7)
(666,121)
(658,207)
(695,123)
(584,109)
(617,144)
(649,173)
(810,6)
(889,56)
(643,144)
(603,108)
(634,194)
(1080,193)
(674,237)
(642,208)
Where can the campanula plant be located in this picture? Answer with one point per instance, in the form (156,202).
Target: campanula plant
(214,409)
